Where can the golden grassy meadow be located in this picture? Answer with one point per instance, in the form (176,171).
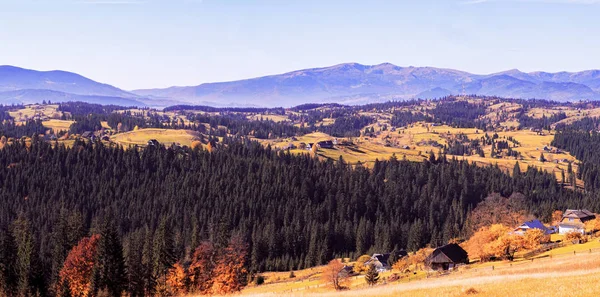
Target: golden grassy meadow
(563,274)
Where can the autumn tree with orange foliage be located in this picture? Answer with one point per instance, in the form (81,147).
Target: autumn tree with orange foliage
(331,275)
(177,280)
(196,144)
(533,238)
(230,274)
(557,217)
(592,226)
(79,265)
(209,147)
(496,209)
(201,268)
(495,241)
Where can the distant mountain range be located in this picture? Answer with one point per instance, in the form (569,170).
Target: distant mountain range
(24,86)
(349,83)
(356,84)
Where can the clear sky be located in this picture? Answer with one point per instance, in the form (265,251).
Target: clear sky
(158,43)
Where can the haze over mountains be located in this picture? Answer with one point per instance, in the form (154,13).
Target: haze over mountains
(349,83)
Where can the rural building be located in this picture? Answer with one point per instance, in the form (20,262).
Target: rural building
(327,144)
(447,257)
(153,142)
(380,261)
(533,224)
(574,220)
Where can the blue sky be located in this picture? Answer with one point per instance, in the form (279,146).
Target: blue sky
(155,43)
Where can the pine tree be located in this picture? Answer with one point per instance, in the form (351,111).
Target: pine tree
(25,255)
(8,269)
(110,261)
(372,276)
(135,265)
(163,252)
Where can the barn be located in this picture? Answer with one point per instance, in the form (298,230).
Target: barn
(447,257)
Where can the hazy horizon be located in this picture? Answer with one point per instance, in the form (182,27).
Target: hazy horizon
(152,44)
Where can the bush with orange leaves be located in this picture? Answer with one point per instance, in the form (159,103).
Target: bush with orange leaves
(79,265)
(574,236)
(412,262)
(230,274)
(177,280)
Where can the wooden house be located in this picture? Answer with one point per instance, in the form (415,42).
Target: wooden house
(447,257)
(573,220)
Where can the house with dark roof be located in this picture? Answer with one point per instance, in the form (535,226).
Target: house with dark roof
(327,144)
(380,261)
(573,220)
(533,224)
(447,257)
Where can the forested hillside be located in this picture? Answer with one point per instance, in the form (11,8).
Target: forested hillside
(292,211)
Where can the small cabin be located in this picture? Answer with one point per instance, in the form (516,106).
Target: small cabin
(153,142)
(447,257)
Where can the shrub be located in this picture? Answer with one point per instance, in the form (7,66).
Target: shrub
(259,280)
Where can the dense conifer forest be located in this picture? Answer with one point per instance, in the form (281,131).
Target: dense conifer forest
(291,211)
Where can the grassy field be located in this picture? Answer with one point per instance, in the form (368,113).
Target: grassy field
(32,110)
(58,125)
(568,275)
(164,136)
(416,142)
(268,117)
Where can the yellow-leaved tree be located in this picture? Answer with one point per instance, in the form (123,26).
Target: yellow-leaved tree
(360,266)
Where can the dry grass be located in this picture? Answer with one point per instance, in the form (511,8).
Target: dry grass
(31,110)
(164,136)
(565,276)
(58,125)
(269,117)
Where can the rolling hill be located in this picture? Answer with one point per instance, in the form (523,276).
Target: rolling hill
(354,83)
(19,85)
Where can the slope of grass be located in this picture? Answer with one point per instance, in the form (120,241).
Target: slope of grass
(565,276)
(164,136)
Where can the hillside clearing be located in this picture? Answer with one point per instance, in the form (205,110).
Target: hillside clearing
(164,136)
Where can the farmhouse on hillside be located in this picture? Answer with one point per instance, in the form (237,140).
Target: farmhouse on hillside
(327,144)
(574,220)
(447,257)
(533,224)
(380,261)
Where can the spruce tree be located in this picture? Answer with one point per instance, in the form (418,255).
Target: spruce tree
(110,260)
(163,251)
(8,269)
(372,276)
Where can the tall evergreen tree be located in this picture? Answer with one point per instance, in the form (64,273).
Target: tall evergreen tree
(110,260)
(25,256)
